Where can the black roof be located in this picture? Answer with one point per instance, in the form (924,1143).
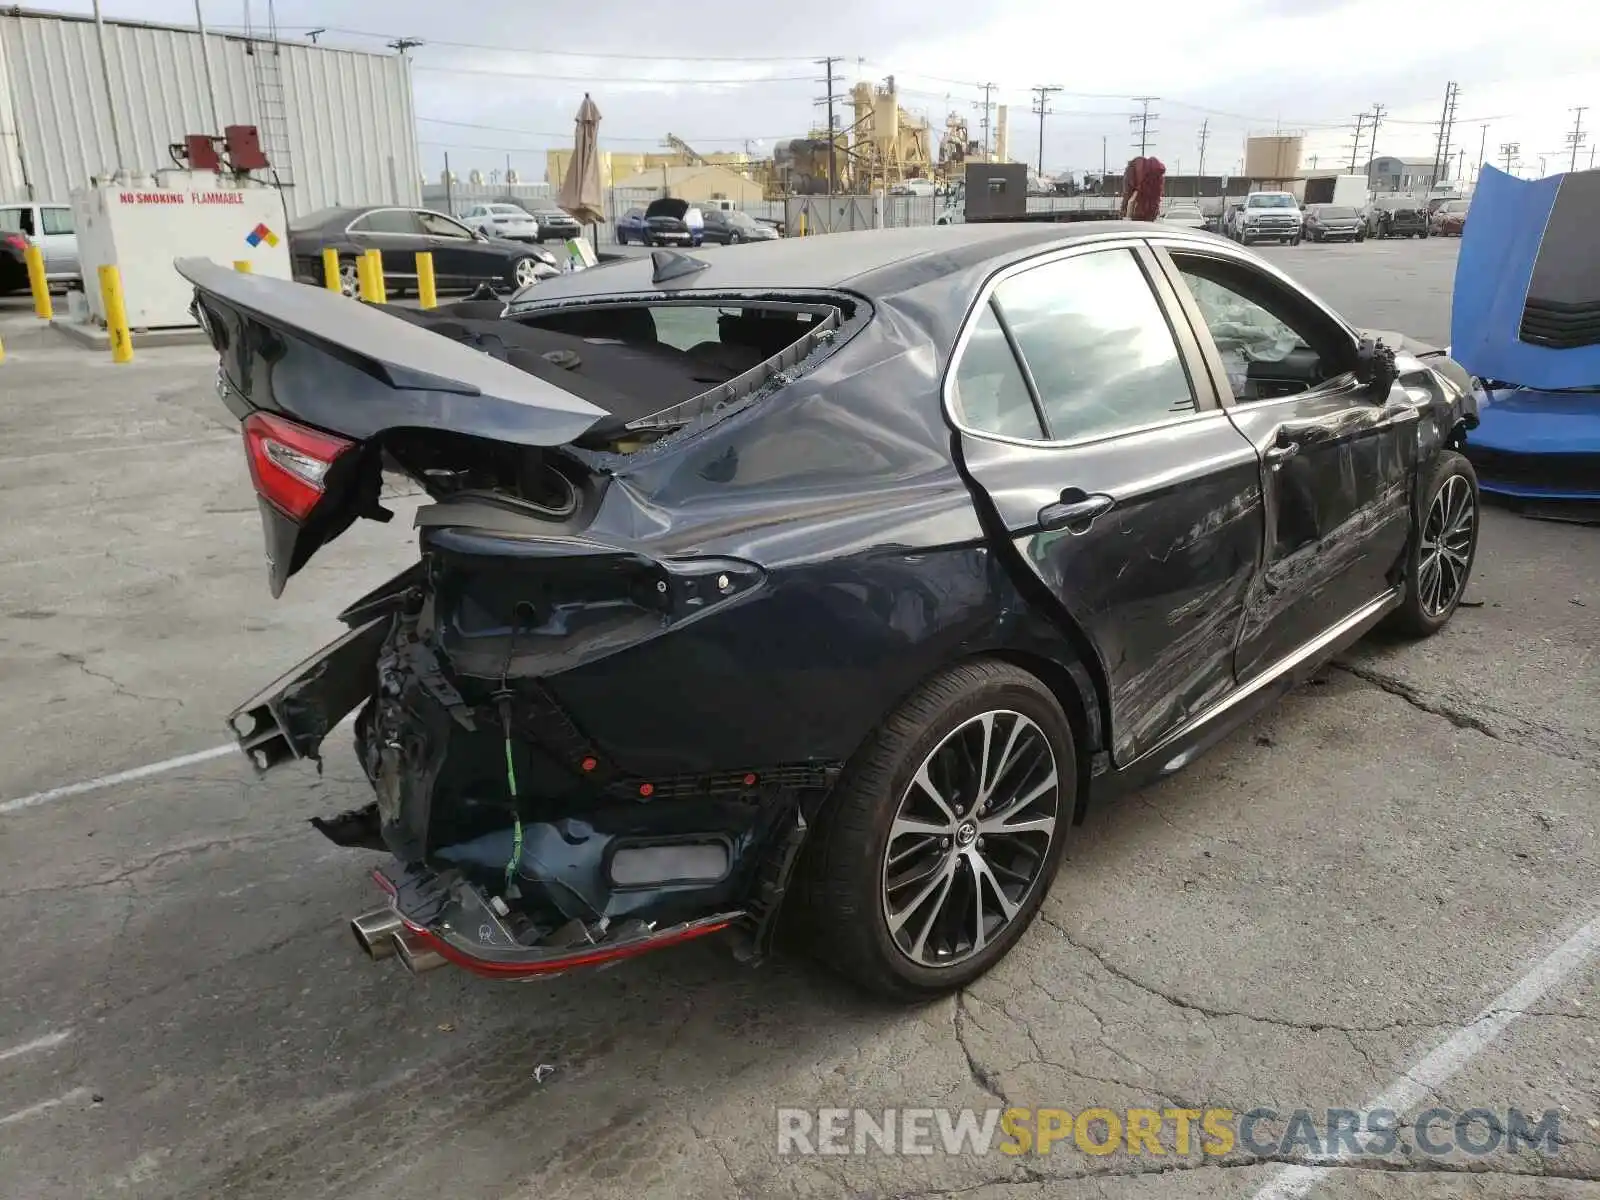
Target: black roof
(873,262)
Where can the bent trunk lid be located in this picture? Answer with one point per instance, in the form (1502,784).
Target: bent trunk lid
(353,370)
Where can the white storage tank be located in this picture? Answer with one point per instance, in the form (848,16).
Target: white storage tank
(140,225)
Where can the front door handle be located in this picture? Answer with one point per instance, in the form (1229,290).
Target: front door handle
(1075,511)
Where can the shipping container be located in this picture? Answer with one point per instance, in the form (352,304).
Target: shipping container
(338,125)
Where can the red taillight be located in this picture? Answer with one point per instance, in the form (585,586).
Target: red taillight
(17,241)
(289,463)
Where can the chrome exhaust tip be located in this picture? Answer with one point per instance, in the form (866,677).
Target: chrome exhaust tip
(375,931)
(416,956)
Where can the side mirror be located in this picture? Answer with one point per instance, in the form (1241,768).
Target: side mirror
(1375,367)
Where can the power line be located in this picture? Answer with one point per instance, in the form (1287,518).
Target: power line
(545,51)
(1441,148)
(1378,113)
(1575,139)
(1041,109)
(543,77)
(833,128)
(1142,119)
(1355,146)
(987,106)
(567,136)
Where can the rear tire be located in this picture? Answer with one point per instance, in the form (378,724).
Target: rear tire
(1444,544)
(908,927)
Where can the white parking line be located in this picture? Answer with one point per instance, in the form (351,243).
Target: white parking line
(105,781)
(33,1110)
(1460,1048)
(48,1042)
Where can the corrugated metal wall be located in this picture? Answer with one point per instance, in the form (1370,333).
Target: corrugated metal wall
(350,118)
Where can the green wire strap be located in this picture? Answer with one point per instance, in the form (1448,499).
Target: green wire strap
(516,816)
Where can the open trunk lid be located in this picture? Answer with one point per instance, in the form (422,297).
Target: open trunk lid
(316,378)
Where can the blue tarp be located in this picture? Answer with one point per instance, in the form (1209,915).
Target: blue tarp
(1504,236)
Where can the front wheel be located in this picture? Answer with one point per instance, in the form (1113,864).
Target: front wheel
(733,237)
(524,272)
(937,849)
(349,278)
(1444,544)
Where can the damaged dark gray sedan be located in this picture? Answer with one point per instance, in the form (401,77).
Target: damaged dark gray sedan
(823,582)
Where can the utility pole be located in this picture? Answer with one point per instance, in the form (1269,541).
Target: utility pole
(1510,149)
(1483,147)
(1355,147)
(1378,112)
(1441,146)
(401,45)
(1142,119)
(833,142)
(986,107)
(1575,138)
(1205,132)
(1042,110)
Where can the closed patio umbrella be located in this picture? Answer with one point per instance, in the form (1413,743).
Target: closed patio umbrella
(580,190)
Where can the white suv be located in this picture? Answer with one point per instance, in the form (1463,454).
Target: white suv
(1269,217)
(49,227)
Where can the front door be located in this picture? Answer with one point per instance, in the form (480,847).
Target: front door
(396,234)
(1336,460)
(1089,422)
(58,241)
(460,259)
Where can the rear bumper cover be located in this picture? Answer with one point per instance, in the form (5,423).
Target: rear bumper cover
(453,919)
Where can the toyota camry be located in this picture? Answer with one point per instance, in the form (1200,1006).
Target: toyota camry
(821,584)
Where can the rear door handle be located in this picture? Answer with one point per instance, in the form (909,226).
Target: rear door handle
(1276,456)
(1075,512)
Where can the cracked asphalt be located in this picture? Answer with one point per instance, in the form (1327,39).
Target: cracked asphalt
(1293,922)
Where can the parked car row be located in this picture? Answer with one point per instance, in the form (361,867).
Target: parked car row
(514,223)
(1276,216)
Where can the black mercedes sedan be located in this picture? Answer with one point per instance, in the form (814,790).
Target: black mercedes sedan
(462,258)
(821,585)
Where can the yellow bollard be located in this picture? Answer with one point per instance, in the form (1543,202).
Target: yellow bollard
(116,314)
(36,280)
(363,277)
(242,265)
(330,270)
(2,352)
(427,293)
(377,294)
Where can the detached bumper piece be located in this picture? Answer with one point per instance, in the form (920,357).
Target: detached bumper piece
(444,915)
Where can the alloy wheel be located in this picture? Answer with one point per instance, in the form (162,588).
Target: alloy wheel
(349,280)
(970,838)
(1446,546)
(525,272)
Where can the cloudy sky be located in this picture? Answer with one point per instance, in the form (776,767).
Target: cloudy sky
(501,78)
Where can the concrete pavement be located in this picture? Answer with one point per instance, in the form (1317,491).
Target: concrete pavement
(1299,920)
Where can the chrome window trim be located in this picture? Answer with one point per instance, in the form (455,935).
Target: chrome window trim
(1091,244)
(351,228)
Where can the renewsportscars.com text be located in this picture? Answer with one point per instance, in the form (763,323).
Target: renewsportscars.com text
(1156,1132)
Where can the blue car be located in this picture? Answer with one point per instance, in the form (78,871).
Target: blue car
(631,227)
(1525,322)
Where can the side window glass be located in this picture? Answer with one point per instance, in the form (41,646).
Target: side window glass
(388,220)
(1270,345)
(17,220)
(989,392)
(1097,343)
(438,225)
(56,220)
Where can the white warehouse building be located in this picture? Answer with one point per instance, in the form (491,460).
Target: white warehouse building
(337,125)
